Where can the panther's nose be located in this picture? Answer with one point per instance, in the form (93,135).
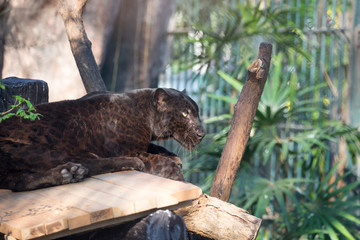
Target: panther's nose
(200,132)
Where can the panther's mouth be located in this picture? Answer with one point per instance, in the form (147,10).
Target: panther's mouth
(187,142)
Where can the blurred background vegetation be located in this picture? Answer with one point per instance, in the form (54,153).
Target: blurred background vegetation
(299,170)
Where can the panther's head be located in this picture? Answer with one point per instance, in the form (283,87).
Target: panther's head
(177,116)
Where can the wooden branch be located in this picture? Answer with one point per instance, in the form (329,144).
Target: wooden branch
(215,219)
(71,12)
(244,114)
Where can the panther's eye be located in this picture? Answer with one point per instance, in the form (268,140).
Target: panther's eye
(185,114)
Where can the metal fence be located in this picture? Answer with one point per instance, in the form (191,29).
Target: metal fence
(328,28)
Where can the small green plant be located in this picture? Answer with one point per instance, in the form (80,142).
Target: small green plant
(16,109)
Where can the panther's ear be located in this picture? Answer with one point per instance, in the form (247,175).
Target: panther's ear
(184,91)
(159,99)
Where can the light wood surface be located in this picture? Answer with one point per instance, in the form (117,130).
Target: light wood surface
(98,201)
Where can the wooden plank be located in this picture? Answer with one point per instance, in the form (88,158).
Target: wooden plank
(27,215)
(110,222)
(182,191)
(96,202)
(93,189)
(20,231)
(16,205)
(143,197)
(40,224)
(66,195)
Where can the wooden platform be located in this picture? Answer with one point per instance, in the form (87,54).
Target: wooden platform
(99,201)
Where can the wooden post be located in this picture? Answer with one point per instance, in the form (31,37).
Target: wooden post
(244,114)
(36,91)
(71,12)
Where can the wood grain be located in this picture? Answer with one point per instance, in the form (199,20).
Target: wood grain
(99,199)
(216,219)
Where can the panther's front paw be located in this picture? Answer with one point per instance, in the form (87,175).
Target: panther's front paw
(73,172)
(177,160)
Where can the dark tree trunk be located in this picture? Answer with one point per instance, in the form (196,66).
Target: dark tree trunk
(137,50)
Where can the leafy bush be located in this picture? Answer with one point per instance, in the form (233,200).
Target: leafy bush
(286,176)
(286,128)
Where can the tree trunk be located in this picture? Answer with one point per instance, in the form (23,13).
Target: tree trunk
(71,12)
(37,46)
(137,50)
(4,16)
(239,133)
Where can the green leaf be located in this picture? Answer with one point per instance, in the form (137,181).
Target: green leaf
(347,216)
(232,81)
(335,183)
(329,175)
(344,191)
(332,234)
(340,227)
(223,98)
(20,111)
(262,203)
(219,118)
(284,211)
(311,89)
(285,148)
(269,150)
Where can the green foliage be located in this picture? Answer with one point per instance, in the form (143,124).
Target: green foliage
(259,192)
(18,111)
(285,128)
(293,136)
(281,106)
(241,23)
(327,213)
